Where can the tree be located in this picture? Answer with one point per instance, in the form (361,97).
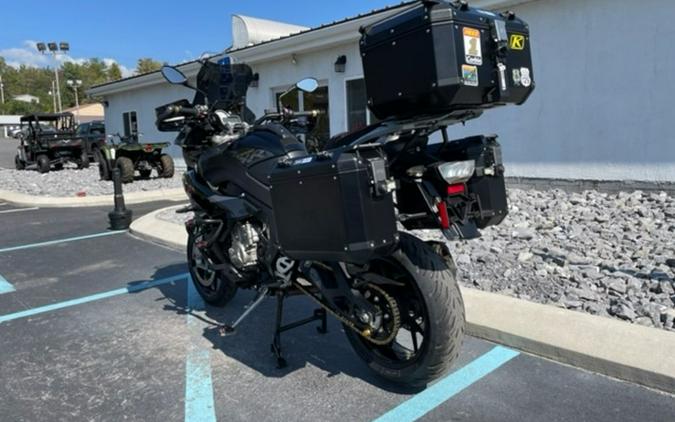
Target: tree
(114,72)
(147,65)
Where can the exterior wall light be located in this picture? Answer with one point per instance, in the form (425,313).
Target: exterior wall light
(341,64)
(255,80)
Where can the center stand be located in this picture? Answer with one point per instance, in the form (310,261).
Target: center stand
(319,315)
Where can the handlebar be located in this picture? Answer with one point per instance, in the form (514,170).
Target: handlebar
(178,111)
(290,115)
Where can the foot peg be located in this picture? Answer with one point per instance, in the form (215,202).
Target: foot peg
(226,329)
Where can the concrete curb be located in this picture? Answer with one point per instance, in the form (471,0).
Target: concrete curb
(177,194)
(617,349)
(159,231)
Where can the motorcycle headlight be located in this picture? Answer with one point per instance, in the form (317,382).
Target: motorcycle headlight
(457,172)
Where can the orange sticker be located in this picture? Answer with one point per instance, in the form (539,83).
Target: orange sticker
(473,52)
(471,32)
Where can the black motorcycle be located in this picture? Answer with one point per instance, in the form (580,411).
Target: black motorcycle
(336,224)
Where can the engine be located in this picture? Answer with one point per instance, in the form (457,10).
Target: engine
(244,249)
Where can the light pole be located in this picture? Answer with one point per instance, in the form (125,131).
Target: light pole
(75,83)
(2,91)
(52,94)
(54,49)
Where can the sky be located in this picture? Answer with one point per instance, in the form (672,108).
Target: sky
(169,31)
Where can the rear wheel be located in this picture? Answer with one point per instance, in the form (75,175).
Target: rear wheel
(166,169)
(428,305)
(213,286)
(20,165)
(126,167)
(43,163)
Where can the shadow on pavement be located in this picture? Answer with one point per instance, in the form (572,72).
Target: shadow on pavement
(250,344)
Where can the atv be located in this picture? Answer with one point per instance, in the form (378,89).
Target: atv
(129,155)
(49,139)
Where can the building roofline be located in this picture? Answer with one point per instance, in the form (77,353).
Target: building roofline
(341,31)
(326,26)
(335,33)
(190,68)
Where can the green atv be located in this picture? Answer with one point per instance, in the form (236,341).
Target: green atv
(129,155)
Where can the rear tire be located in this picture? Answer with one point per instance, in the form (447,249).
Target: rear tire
(166,167)
(20,165)
(126,167)
(443,316)
(212,286)
(43,163)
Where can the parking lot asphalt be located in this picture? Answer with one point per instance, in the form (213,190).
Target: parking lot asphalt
(103,326)
(7,152)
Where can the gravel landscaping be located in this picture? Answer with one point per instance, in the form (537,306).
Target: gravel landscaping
(611,255)
(71,182)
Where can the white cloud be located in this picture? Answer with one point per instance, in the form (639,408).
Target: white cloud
(126,72)
(28,55)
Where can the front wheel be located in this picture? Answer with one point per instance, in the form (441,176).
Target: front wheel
(426,300)
(166,167)
(212,285)
(20,165)
(126,167)
(83,161)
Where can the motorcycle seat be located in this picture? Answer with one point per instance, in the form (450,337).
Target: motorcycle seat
(346,138)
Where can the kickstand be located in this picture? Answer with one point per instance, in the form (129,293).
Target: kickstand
(319,315)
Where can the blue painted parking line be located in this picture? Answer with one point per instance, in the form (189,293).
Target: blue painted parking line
(5,286)
(424,402)
(199,405)
(56,242)
(131,288)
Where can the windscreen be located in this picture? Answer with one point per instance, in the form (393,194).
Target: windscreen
(224,83)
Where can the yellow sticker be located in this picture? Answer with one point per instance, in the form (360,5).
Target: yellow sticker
(517,42)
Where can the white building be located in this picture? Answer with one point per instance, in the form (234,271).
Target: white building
(605,74)
(26,98)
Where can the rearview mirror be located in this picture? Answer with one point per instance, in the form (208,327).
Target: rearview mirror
(173,75)
(308,85)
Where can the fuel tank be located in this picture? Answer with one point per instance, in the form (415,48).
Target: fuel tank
(247,162)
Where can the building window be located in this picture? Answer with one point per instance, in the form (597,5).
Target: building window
(306,101)
(130,124)
(358,115)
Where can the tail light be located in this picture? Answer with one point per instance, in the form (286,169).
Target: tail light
(456,189)
(457,171)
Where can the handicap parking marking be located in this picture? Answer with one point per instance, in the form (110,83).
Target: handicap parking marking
(131,288)
(5,286)
(56,242)
(199,403)
(18,210)
(426,401)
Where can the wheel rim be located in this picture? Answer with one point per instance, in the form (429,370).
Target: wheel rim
(411,341)
(202,272)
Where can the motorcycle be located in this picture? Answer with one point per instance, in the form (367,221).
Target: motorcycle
(334,224)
